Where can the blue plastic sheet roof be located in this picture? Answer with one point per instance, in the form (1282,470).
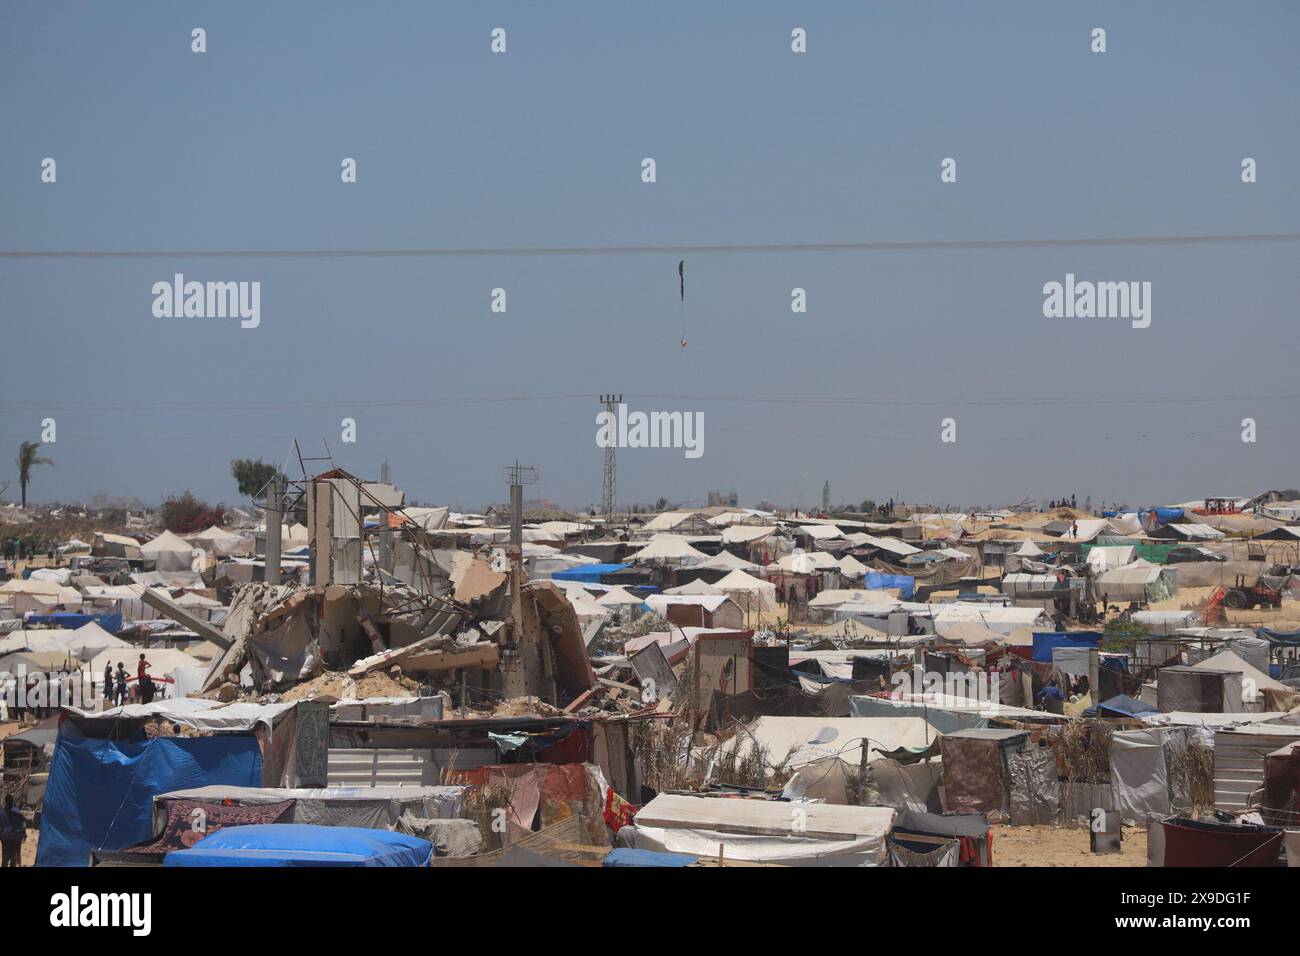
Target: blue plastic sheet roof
(301,844)
(1046,641)
(626,856)
(591,573)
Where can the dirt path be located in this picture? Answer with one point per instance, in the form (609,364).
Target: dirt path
(1061,846)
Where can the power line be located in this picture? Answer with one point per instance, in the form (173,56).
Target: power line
(863,400)
(907,245)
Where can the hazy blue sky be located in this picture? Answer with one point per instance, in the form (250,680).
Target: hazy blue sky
(159,148)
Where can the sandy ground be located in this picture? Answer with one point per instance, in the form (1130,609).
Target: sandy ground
(1061,846)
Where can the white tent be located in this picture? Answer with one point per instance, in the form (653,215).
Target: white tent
(745,534)
(169,552)
(808,562)
(892,545)
(698,586)
(1029,550)
(222,543)
(670,549)
(91,639)
(616,596)
(726,561)
(751,593)
(1111,556)
(1253,682)
(851,567)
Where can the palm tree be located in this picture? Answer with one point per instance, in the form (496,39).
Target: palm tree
(28,459)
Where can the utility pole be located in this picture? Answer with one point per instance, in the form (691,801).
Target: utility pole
(515,673)
(274,519)
(386,535)
(611,403)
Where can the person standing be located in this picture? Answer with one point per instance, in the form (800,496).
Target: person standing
(13,831)
(108,684)
(143,681)
(120,697)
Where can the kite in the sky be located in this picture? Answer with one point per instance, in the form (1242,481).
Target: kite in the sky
(681,280)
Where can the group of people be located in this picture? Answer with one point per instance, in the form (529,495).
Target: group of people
(116,690)
(1070,502)
(16,549)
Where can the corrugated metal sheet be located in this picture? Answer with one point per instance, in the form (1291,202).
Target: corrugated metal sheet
(362,767)
(1239,762)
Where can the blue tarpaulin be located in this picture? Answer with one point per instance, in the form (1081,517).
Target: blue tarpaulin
(72,620)
(589,573)
(1046,641)
(1123,705)
(301,844)
(626,856)
(1282,638)
(876,581)
(100,792)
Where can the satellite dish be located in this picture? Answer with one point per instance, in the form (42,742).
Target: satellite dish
(824,735)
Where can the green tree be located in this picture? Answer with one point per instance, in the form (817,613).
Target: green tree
(252,476)
(27,460)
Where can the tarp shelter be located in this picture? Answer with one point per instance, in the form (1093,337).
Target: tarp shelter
(1140,581)
(100,792)
(168,552)
(905,583)
(1121,705)
(761,830)
(1139,771)
(1198,689)
(976,776)
(1255,684)
(1045,642)
(298,844)
(376,807)
(626,856)
(919,831)
(801,740)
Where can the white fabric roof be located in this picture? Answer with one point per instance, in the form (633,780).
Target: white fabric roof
(806,739)
(726,561)
(751,593)
(698,586)
(166,542)
(615,596)
(743,533)
(670,548)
